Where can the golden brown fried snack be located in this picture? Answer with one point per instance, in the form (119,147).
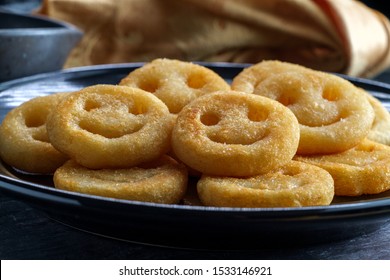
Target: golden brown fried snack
(107,126)
(293,185)
(161,181)
(249,78)
(363,169)
(333,115)
(24,143)
(175,82)
(231,133)
(380,130)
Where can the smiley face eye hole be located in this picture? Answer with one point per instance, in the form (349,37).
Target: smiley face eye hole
(286,100)
(330,94)
(35,120)
(91,105)
(209,119)
(196,81)
(149,85)
(256,115)
(138,109)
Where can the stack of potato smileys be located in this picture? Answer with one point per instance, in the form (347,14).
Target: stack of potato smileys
(281,135)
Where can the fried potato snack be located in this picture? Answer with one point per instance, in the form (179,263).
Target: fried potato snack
(363,169)
(293,185)
(231,133)
(161,181)
(332,114)
(249,78)
(24,143)
(107,126)
(175,82)
(380,130)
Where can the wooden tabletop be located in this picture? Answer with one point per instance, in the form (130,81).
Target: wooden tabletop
(26,233)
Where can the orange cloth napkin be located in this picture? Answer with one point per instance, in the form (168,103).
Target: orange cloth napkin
(343,36)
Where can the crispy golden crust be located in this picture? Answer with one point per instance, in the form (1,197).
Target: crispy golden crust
(106,126)
(24,143)
(161,181)
(175,82)
(364,169)
(333,115)
(231,133)
(293,185)
(249,78)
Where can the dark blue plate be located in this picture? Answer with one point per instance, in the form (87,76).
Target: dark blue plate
(183,225)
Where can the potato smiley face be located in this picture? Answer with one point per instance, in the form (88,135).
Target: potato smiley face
(235,134)
(175,82)
(333,114)
(107,126)
(24,142)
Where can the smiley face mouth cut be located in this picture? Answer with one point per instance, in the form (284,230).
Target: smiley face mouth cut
(110,132)
(313,123)
(228,137)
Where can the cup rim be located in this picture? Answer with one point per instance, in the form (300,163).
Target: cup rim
(53,24)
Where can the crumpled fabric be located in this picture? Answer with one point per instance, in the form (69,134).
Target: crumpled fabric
(341,36)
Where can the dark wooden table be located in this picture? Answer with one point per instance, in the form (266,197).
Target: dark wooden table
(26,233)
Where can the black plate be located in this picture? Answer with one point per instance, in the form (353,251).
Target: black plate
(183,225)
